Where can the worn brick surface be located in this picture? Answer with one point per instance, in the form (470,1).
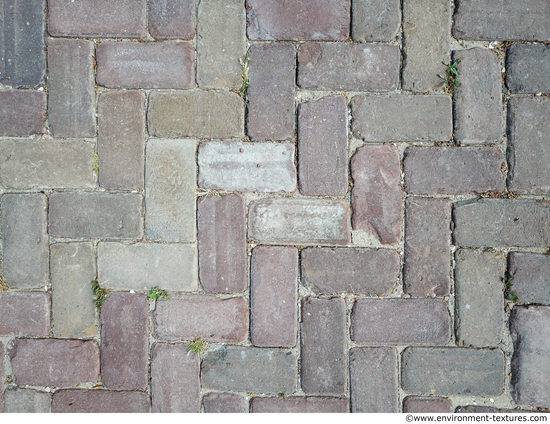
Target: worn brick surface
(2,379)
(295,405)
(22,112)
(324,346)
(26,401)
(531,283)
(376,198)
(323,147)
(528,68)
(25,314)
(476,409)
(427,405)
(375,20)
(124,341)
(224,403)
(100,401)
(170,19)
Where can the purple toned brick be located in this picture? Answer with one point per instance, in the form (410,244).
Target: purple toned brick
(376,198)
(528,68)
(22,112)
(296,405)
(375,20)
(224,403)
(124,341)
(531,277)
(100,401)
(427,405)
(323,147)
(25,314)
(2,377)
(169,19)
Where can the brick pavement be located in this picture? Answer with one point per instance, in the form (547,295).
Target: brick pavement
(336,229)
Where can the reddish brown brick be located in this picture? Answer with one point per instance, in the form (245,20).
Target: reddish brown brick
(25,314)
(100,401)
(22,112)
(296,405)
(427,405)
(169,19)
(531,278)
(224,403)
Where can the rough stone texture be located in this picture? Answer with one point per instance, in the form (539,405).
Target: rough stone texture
(323,147)
(421,118)
(374,381)
(528,68)
(208,317)
(223,264)
(366,272)
(529,145)
(453,371)
(22,113)
(124,341)
(498,20)
(26,401)
(96,18)
(274,274)
(170,180)
(400,322)
(427,264)
(298,20)
(376,198)
(348,67)
(245,166)
(2,377)
(72,268)
(203,114)
(299,221)
(476,409)
(170,367)
(224,403)
(453,170)
(54,363)
(426,43)
(531,283)
(295,405)
(170,19)
(100,401)
(249,369)
(25,314)
(25,256)
(71,88)
(22,53)
(324,346)
(530,328)
(95,215)
(121,139)
(221,43)
(270,97)
(375,20)
(427,405)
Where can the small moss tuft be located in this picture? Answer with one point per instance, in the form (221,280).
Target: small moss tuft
(100,294)
(156,294)
(197,346)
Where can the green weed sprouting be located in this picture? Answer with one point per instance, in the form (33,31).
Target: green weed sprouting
(156,294)
(451,76)
(99,293)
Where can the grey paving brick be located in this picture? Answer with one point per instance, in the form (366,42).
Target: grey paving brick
(25,253)
(324,346)
(244,166)
(374,381)
(2,377)
(95,215)
(528,68)
(295,405)
(270,97)
(170,19)
(25,314)
(71,88)
(249,369)
(375,20)
(531,283)
(323,147)
(421,118)
(453,371)
(376,198)
(100,401)
(477,409)
(224,403)
(22,112)
(427,405)
(170,181)
(348,67)
(299,221)
(26,401)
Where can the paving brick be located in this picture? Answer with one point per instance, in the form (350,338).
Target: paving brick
(323,147)
(421,118)
(299,221)
(375,20)
(366,272)
(453,170)
(453,371)
(26,401)
(528,68)
(95,215)
(296,405)
(208,317)
(376,198)
(530,331)
(270,97)
(224,403)
(170,181)
(203,114)
(298,20)
(2,377)
(531,283)
(427,265)
(71,88)
(400,321)
(170,366)
(476,409)
(348,67)
(274,277)
(121,139)
(244,166)
(223,263)
(324,346)
(25,314)
(501,222)
(374,381)
(100,401)
(54,362)
(22,112)
(427,405)
(170,19)
(25,256)
(221,43)
(22,49)
(249,369)
(479,20)
(95,18)
(72,269)
(528,155)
